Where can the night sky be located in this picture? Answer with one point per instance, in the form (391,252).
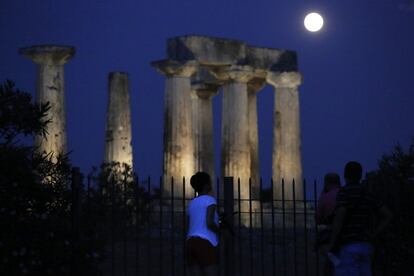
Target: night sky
(356,100)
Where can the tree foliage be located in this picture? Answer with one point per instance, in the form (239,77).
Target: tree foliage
(35,217)
(393,184)
(117,195)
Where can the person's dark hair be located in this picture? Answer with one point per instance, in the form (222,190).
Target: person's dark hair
(353,171)
(199,180)
(331,180)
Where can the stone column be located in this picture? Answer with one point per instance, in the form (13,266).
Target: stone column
(178,135)
(235,150)
(287,159)
(50,88)
(253,87)
(202,115)
(118,146)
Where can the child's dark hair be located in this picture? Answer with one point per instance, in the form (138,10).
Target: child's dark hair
(199,180)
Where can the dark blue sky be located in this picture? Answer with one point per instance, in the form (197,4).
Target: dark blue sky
(356,100)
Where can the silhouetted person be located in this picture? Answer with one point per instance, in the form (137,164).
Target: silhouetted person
(202,238)
(351,233)
(324,215)
(327,200)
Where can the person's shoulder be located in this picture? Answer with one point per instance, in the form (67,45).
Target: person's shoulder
(344,195)
(343,191)
(350,190)
(209,200)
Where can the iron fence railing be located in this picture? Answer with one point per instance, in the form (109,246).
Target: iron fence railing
(142,229)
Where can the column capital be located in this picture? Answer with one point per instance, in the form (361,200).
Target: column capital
(48,54)
(284,79)
(175,68)
(204,90)
(256,84)
(235,73)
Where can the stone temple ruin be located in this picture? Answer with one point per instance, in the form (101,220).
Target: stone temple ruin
(50,88)
(196,69)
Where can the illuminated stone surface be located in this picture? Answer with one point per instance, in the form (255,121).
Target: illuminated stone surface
(235,149)
(240,71)
(178,135)
(204,88)
(286,157)
(253,87)
(118,146)
(50,88)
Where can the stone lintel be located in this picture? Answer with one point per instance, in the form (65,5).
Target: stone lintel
(237,73)
(206,50)
(170,68)
(48,54)
(204,75)
(213,51)
(271,59)
(284,79)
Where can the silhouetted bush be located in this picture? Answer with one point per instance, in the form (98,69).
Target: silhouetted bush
(35,196)
(393,184)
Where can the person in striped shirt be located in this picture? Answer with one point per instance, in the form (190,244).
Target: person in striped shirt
(353,232)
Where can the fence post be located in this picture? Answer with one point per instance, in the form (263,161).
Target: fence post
(228,242)
(76,187)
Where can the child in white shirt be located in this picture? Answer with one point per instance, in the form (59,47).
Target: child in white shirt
(202,236)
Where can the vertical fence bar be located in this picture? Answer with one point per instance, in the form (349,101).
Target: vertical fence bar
(124,224)
(239,239)
(160,217)
(284,269)
(294,229)
(149,249)
(112,183)
(137,239)
(261,227)
(273,230)
(184,229)
(250,228)
(228,211)
(315,202)
(305,222)
(220,239)
(172,230)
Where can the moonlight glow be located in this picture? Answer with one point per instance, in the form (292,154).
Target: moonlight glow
(313,22)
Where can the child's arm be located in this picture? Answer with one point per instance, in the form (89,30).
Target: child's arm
(211,224)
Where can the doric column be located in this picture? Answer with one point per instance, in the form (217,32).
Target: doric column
(178,135)
(50,88)
(253,87)
(202,115)
(286,159)
(118,146)
(235,150)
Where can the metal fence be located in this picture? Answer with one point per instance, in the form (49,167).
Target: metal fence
(140,230)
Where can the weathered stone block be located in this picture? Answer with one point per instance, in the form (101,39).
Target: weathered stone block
(206,50)
(271,59)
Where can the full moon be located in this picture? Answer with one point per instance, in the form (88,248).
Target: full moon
(313,22)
